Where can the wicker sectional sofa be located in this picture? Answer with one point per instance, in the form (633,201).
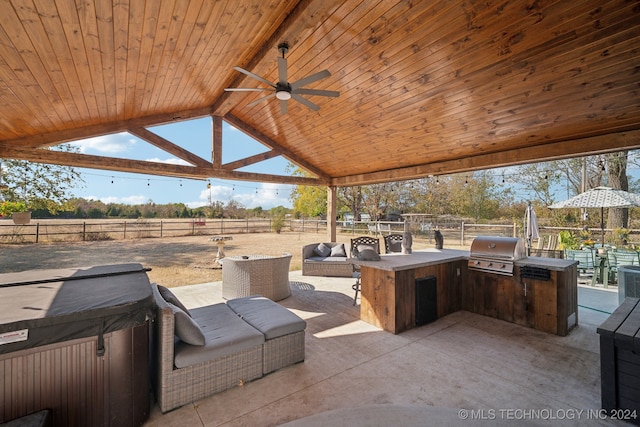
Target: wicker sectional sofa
(243,340)
(313,264)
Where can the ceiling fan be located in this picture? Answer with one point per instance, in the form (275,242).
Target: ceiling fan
(283,90)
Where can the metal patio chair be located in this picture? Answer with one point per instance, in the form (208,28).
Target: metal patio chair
(359,242)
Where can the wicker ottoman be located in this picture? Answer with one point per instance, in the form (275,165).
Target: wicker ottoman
(283,330)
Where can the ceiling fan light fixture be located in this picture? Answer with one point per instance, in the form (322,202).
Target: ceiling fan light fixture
(283,95)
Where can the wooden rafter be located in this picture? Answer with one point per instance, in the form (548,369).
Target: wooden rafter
(543,152)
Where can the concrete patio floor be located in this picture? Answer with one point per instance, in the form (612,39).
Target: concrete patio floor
(463,369)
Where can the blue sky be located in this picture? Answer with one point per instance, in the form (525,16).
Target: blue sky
(195,136)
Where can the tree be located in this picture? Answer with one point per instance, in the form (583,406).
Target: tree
(40,186)
(352,199)
(308,200)
(617,175)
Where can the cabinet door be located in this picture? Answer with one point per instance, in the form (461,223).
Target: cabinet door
(524,302)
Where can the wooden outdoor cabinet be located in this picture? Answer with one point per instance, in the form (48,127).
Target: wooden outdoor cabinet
(389,300)
(548,305)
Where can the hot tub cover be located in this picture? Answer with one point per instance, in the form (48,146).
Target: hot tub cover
(41,307)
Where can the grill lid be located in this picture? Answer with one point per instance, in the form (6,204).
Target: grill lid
(496,254)
(503,248)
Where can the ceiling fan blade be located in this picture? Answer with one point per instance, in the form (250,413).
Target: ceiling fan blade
(306,102)
(255,76)
(331,93)
(282,70)
(259,100)
(284,107)
(247,89)
(310,79)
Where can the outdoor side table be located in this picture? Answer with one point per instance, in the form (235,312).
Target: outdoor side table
(248,275)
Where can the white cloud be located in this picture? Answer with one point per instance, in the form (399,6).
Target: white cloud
(128,200)
(111,144)
(266,196)
(171,161)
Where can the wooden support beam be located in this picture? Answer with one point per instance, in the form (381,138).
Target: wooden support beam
(332,213)
(538,153)
(144,167)
(169,147)
(264,139)
(216,142)
(68,135)
(250,160)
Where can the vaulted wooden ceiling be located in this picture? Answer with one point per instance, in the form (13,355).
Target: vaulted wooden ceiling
(426,87)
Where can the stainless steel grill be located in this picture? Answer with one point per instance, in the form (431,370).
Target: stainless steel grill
(495,254)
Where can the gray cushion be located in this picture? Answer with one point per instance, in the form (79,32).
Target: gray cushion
(338,250)
(186,328)
(225,334)
(268,317)
(326,259)
(169,297)
(367,254)
(322,250)
(396,246)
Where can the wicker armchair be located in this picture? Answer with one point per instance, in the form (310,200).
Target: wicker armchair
(256,275)
(372,242)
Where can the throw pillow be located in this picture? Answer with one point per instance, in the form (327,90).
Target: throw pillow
(170,297)
(338,250)
(367,253)
(322,250)
(186,328)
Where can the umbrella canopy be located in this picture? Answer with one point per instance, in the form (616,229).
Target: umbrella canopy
(531,225)
(600,197)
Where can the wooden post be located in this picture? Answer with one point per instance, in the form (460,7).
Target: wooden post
(332,213)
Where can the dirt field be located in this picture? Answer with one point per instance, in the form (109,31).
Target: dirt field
(174,261)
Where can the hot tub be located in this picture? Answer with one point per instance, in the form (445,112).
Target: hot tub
(76,341)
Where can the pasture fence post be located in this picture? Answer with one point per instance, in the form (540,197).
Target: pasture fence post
(124,230)
(462,234)
(37,232)
(160,228)
(84,231)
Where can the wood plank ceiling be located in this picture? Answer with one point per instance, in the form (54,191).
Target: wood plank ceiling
(426,87)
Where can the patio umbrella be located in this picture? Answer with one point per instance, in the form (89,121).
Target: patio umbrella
(530,226)
(600,197)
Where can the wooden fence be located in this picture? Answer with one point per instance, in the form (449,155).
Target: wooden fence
(56,230)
